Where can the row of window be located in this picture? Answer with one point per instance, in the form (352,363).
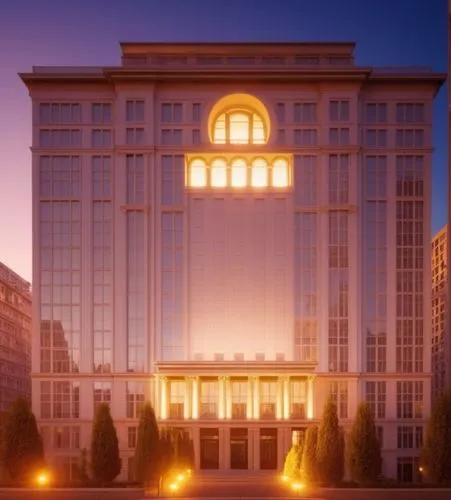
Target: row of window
(339,110)
(230,133)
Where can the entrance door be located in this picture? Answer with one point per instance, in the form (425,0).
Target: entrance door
(238,448)
(209,448)
(268,448)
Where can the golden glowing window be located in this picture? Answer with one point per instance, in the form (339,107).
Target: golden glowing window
(239,126)
(218,173)
(280,173)
(259,173)
(198,173)
(239,173)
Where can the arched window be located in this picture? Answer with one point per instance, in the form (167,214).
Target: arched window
(259,173)
(198,173)
(239,173)
(239,126)
(218,173)
(280,173)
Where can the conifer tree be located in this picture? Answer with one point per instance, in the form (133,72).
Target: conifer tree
(147,446)
(105,458)
(309,465)
(364,450)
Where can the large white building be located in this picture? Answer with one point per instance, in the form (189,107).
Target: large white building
(232,231)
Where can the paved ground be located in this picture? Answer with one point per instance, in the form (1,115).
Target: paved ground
(59,494)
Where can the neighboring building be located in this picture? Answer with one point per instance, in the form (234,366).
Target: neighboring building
(15,337)
(440,338)
(234,231)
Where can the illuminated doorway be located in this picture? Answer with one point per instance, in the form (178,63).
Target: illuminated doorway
(268,448)
(209,448)
(238,448)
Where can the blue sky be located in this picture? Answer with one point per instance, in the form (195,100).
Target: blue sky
(59,32)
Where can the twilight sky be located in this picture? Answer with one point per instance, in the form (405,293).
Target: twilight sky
(87,32)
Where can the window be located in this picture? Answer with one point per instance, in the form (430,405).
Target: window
(305,180)
(305,112)
(66,437)
(218,173)
(410,112)
(259,173)
(101,138)
(177,398)
(409,399)
(134,136)
(376,138)
(407,469)
(268,398)
(376,398)
(239,173)
(172,179)
(135,178)
(339,136)
(297,399)
(239,399)
(101,112)
(59,112)
(171,137)
(409,138)
(132,434)
(60,400)
(101,177)
(280,112)
(134,111)
(135,399)
(198,173)
(376,112)
(171,112)
(196,112)
(306,137)
(239,126)
(208,399)
(60,138)
(339,111)
(60,176)
(339,395)
(338,179)
(102,394)
(410,437)
(280,173)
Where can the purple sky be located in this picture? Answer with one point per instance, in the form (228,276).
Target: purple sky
(87,32)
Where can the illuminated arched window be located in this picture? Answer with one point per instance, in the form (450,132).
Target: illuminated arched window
(239,126)
(218,173)
(239,173)
(259,173)
(198,173)
(280,173)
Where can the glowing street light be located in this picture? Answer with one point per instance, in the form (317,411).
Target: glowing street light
(173,486)
(42,479)
(297,487)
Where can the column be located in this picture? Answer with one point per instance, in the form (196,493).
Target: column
(188,399)
(221,398)
(256,447)
(256,400)
(249,398)
(156,395)
(280,448)
(310,403)
(279,399)
(228,396)
(195,398)
(164,398)
(286,398)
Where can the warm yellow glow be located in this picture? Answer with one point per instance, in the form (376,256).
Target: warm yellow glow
(239,128)
(195,408)
(239,173)
(239,119)
(218,174)
(221,398)
(42,479)
(198,173)
(297,486)
(285,479)
(280,173)
(189,472)
(173,486)
(180,477)
(164,399)
(310,409)
(256,402)
(286,399)
(259,173)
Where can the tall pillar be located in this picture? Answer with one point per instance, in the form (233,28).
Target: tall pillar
(256,401)
(286,398)
(310,401)
(156,395)
(195,399)
(228,397)
(188,399)
(195,436)
(221,398)
(249,412)
(164,401)
(279,399)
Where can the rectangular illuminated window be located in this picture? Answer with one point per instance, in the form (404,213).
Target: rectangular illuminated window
(259,176)
(219,176)
(239,175)
(198,176)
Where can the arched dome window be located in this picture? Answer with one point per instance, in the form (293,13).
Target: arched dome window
(280,173)
(259,173)
(239,173)
(239,119)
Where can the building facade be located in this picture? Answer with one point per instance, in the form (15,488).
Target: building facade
(233,231)
(441,351)
(15,338)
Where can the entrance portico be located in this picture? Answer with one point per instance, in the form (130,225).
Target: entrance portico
(240,415)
